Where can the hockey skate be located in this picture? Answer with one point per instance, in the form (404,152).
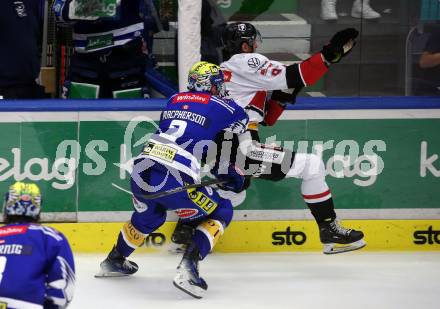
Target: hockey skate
(174,248)
(181,237)
(337,239)
(115,265)
(187,278)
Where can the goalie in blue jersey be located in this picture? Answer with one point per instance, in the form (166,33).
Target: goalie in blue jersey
(172,158)
(36,262)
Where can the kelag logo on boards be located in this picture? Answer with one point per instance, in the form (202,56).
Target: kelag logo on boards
(288,237)
(428,236)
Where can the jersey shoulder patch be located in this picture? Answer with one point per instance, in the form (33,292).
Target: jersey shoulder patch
(255,61)
(245,61)
(243,64)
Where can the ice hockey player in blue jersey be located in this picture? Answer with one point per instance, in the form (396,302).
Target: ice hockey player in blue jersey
(109,60)
(172,158)
(36,262)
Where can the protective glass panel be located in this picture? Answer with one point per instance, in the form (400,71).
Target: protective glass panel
(387,60)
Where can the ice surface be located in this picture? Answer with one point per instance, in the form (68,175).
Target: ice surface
(270,280)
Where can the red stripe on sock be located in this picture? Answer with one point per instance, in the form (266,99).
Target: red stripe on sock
(319,195)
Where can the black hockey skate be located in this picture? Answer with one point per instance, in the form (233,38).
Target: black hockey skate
(187,278)
(337,239)
(181,237)
(115,265)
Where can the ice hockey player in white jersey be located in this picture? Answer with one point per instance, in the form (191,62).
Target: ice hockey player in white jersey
(249,78)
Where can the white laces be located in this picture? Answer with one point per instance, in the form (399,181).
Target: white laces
(338,228)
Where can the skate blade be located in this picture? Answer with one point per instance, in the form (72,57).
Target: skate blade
(176,250)
(189,289)
(110,275)
(341,248)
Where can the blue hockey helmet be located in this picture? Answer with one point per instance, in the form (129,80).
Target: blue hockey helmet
(24,200)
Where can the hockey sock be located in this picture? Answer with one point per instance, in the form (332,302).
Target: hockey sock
(322,211)
(318,198)
(206,236)
(129,239)
(310,168)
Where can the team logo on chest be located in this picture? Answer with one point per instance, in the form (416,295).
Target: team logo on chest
(253,62)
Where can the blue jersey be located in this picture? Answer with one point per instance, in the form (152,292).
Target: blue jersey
(187,128)
(104,33)
(21,23)
(36,266)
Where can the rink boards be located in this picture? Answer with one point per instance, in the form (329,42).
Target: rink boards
(268,236)
(382,167)
(374,159)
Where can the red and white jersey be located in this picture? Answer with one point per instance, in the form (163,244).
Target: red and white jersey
(248,77)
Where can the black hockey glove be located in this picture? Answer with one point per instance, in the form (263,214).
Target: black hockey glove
(340,45)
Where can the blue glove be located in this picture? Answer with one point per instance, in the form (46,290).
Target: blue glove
(233,176)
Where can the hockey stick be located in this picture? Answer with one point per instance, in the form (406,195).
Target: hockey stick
(206,183)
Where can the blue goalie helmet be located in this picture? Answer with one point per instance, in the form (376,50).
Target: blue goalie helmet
(23,199)
(203,75)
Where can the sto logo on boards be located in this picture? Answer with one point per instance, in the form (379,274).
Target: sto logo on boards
(155,240)
(428,236)
(288,237)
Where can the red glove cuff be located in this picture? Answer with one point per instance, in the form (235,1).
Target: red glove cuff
(312,69)
(273,112)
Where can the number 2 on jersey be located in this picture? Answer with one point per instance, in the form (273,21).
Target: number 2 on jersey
(176,129)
